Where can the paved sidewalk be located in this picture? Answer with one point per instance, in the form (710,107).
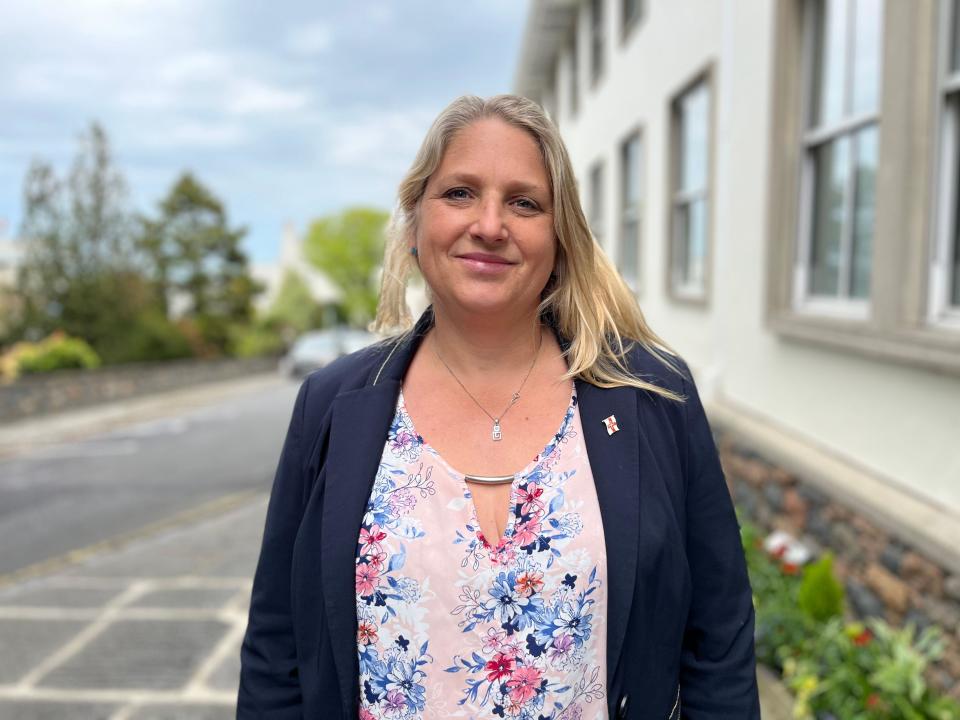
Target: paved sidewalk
(148,632)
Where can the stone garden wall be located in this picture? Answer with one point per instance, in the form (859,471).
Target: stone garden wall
(883,575)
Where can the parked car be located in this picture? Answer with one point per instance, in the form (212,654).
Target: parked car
(317,348)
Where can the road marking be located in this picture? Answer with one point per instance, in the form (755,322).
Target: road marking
(216,506)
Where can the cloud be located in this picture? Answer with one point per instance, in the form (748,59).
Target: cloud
(312,39)
(379,137)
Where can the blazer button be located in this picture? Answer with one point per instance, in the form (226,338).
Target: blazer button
(622,707)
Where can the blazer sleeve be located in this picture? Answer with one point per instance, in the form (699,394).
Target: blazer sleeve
(269,682)
(718,664)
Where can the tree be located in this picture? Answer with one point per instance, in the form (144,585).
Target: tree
(78,273)
(193,253)
(348,248)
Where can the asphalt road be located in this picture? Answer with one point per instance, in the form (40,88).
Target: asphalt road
(67,496)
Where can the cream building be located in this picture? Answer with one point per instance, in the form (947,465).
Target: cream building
(777,180)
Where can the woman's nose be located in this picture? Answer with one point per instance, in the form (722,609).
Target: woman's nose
(489,224)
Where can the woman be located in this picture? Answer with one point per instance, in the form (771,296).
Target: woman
(416,562)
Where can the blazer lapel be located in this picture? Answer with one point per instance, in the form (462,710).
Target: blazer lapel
(615,464)
(360,422)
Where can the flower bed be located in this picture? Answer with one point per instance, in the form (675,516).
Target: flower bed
(837,668)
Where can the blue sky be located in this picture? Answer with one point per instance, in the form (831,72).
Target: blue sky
(287,110)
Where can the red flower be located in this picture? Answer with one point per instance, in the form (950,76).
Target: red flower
(863,638)
(501,666)
(779,551)
(790,568)
(872,701)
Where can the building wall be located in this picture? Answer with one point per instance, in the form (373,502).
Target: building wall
(898,421)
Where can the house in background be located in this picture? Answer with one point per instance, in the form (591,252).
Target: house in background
(778,183)
(292,259)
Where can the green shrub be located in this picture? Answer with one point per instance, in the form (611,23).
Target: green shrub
(256,340)
(838,670)
(150,337)
(57,352)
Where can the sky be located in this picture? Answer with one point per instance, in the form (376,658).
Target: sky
(286,110)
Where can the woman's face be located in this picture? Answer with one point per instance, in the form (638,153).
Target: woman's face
(484,237)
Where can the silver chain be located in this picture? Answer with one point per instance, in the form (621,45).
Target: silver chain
(513,398)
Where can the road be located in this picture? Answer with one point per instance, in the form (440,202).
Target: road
(60,497)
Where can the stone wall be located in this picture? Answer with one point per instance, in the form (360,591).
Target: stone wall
(882,574)
(34,395)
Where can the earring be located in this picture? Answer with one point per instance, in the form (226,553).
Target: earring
(413,251)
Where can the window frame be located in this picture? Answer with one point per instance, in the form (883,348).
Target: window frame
(598,41)
(814,138)
(636,133)
(897,329)
(946,215)
(694,296)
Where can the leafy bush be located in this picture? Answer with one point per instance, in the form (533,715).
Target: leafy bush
(149,337)
(57,352)
(838,670)
(256,340)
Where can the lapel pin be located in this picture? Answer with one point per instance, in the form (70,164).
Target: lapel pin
(611,423)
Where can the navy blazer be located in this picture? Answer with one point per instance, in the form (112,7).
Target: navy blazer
(679,615)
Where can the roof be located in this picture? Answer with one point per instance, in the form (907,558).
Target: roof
(549,26)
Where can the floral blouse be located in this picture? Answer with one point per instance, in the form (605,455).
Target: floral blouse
(451,627)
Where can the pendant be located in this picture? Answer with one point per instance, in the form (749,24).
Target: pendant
(497,435)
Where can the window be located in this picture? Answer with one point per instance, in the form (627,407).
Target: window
(861,225)
(840,148)
(631,194)
(630,15)
(690,202)
(574,73)
(596,40)
(945,278)
(596,201)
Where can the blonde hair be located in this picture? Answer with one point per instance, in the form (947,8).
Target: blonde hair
(586,299)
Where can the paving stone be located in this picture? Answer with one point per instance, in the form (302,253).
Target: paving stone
(64,597)
(185,712)
(157,655)
(186,598)
(73,710)
(227,675)
(26,643)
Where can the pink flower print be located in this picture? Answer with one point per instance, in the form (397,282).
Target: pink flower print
(500,667)
(371,537)
(396,704)
(402,502)
(527,533)
(511,648)
(530,499)
(561,648)
(376,559)
(502,554)
(529,583)
(493,640)
(367,579)
(524,684)
(366,714)
(366,633)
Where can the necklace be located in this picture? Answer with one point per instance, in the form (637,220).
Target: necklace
(497,433)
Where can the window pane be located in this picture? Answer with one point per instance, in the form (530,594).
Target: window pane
(694,109)
(955,234)
(596,33)
(867,56)
(829,77)
(864,211)
(831,161)
(692,225)
(955,63)
(631,162)
(596,201)
(574,75)
(631,11)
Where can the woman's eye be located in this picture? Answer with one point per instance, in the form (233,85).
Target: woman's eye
(457,194)
(527,204)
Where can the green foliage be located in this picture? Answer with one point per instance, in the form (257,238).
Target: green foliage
(193,253)
(150,337)
(838,670)
(294,310)
(257,340)
(348,248)
(57,352)
(821,595)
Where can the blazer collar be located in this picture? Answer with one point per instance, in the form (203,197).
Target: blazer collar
(360,422)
